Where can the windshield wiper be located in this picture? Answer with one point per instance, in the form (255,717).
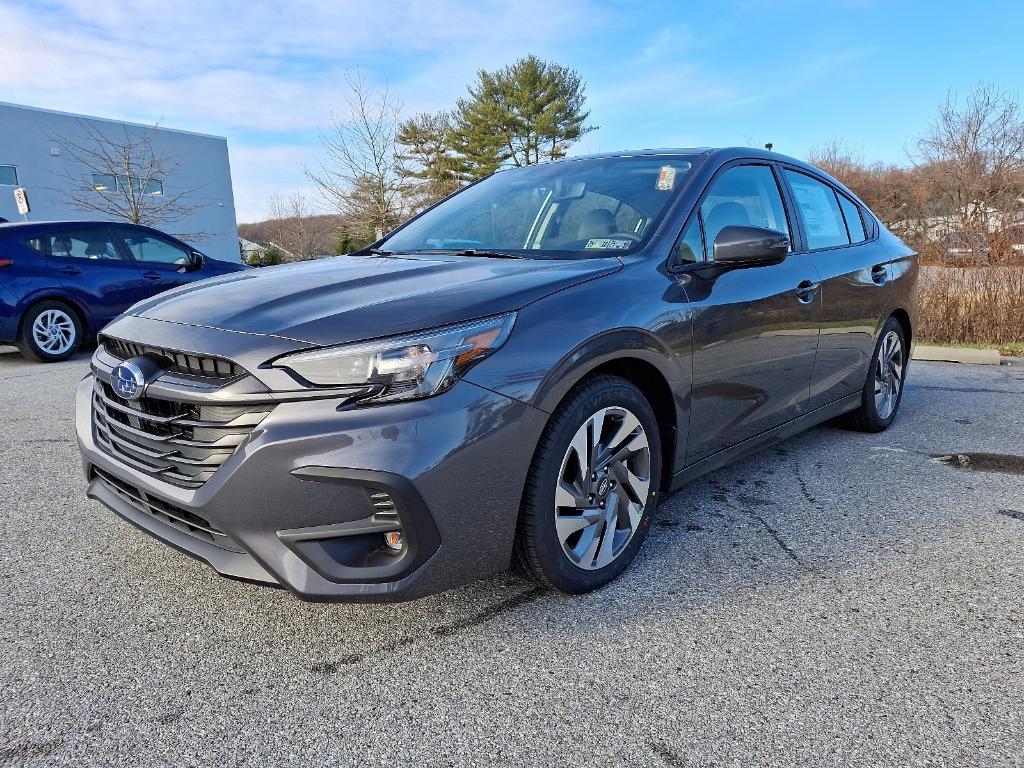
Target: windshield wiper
(473,252)
(379,252)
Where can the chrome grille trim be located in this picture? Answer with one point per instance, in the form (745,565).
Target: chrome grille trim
(180,443)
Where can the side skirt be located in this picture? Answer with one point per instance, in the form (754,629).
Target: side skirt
(772,436)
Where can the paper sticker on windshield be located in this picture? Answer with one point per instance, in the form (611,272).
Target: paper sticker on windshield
(666,178)
(603,242)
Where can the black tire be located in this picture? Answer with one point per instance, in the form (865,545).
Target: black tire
(538,552)
(868,418)
(29,346)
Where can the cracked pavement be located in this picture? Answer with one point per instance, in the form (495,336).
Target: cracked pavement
(839,599)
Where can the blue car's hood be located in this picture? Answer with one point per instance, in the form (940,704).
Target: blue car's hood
(349,298)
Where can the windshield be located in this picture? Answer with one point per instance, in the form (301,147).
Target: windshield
(566,209)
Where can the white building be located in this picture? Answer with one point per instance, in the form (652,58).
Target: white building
(35,154)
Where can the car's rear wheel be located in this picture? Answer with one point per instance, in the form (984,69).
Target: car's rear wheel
(50,332)
(592,488)
(883,389)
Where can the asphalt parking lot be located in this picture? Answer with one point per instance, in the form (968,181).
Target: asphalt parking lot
(840,599)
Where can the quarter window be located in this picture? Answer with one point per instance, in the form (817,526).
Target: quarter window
(746,196)
(154,249)
(819,212)
(691,247)
(9,175)
(854,223)
(94,244)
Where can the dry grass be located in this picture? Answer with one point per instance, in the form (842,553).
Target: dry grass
(972,305)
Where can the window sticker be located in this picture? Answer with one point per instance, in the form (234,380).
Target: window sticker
(666,178)
(604,243)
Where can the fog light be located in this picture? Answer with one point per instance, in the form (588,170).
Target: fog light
(393,541)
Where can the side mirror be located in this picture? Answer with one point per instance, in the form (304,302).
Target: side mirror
(750,246)
(197,260)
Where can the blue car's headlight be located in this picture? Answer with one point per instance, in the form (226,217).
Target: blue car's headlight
(404,367)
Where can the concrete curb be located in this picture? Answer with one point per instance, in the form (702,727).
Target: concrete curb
(968,355)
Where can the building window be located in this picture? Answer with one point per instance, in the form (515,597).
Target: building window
(9,175)
(103,182)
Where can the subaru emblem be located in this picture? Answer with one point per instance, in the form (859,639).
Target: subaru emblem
(128,380)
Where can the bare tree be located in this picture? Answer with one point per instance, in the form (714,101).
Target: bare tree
(836,158)
(359,173)
(125,178)
(296,228)
(972,159)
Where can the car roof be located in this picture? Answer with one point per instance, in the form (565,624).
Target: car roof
(717,155)
(720,153)
(29,227)
(65,222)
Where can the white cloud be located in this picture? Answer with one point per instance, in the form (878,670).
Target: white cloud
(267,75)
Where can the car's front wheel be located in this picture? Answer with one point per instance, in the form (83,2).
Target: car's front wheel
(592,488)
(50,332)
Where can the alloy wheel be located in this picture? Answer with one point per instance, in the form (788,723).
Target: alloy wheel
(53,331)
(888,374)
(602,488)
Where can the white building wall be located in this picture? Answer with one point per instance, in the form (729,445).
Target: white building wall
(27,141)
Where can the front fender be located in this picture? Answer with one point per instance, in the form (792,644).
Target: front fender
(637,317)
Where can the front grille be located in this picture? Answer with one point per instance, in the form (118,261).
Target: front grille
(180,443)
(178,362)
(171,514)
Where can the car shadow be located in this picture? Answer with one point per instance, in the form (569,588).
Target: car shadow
(775,521)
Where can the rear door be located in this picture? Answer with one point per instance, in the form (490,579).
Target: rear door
(755,329)
(164,263)
(842,243)
(93,269)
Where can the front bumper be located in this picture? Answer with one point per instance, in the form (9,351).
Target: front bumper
(288,504)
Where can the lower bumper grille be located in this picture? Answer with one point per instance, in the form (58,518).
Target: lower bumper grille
(180,443)
(171,514)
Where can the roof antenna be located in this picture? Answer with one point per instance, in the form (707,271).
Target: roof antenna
(769,146)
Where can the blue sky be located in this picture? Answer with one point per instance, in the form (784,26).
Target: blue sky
(268,75)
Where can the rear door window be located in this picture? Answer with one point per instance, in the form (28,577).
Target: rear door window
(819,212)
(91,244)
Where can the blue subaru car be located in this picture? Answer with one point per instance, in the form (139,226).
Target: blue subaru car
(60,282)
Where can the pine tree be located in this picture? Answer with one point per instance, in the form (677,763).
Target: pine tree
(428,165)
(525,113)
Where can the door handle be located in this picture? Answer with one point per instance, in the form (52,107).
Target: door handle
(70,271)
(805,291)
(879,274)
(151,275)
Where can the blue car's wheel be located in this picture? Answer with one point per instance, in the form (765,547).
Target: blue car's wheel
(50,332)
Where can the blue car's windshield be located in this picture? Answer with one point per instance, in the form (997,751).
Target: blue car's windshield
(587,207)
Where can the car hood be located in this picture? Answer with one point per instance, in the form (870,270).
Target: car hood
(350,298)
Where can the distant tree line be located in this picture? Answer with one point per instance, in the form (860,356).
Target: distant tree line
(959,202)
(960,198)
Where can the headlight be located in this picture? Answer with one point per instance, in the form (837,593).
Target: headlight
(404,367)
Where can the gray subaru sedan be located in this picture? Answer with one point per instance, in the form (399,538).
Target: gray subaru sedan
(513,377)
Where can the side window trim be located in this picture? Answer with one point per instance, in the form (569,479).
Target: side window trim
(871,230)
(673,263)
